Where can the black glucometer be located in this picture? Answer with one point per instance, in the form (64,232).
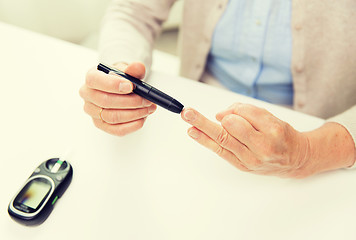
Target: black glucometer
(35,200)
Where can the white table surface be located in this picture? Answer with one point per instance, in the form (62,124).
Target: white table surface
(156,183)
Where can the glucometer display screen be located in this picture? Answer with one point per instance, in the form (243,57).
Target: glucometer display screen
(34,193)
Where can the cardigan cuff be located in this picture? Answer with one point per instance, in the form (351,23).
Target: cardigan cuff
(348,120)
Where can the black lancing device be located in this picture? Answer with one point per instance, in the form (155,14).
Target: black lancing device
(147,91)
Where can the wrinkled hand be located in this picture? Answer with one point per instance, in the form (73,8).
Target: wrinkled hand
(109,100)
(253,140)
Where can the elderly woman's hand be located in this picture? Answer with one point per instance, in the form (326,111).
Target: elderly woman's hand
(109,100)
(254,140)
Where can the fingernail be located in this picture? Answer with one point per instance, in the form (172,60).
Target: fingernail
(124,87)
(190,115)
(193,133)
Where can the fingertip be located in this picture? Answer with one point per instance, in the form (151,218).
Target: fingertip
(152,108)
(182,113)
(188,114)
(193,132)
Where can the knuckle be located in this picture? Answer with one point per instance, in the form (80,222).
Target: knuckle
(113,116)
(241,108)
(104,99)
(269,150)
(222,138)
(244,109)
(277,129)
(219,150)
(260,141)
(234,106)
(253,136)
(228,121)
(266,149)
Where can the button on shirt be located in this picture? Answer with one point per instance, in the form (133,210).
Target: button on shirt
(251,49)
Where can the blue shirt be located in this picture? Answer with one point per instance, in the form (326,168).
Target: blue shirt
(251,49)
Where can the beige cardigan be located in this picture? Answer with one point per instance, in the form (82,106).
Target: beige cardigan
(323,59)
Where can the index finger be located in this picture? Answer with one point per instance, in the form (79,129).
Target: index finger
(213,130)
(110,83)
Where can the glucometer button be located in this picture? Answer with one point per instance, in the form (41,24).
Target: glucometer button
(59,178)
